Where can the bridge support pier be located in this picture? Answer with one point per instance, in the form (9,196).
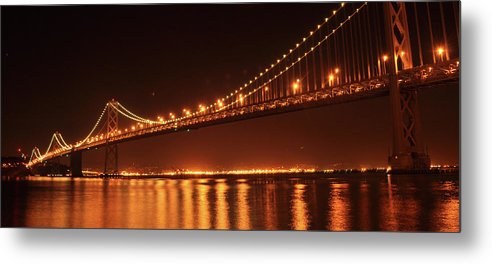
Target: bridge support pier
(408,151)
(111,159)
(76,164)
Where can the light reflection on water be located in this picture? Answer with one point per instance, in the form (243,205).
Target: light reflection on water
(352,203)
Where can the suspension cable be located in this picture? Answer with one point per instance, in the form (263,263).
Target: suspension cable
(133,116)
(59,143)
(63,140)
(278,62)
(94,128)
(49,146)
(307,53)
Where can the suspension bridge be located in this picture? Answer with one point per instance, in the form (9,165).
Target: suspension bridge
(360,51)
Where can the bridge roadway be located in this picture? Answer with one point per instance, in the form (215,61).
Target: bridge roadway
(414,78)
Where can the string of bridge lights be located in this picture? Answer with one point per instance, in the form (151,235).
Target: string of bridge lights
(133,116)
(299,58)
(94,128)
(63,141)
(59,140)
(220,102)
(273,65)
(55,137)
(35,152)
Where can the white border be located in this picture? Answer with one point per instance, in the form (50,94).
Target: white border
(473,245)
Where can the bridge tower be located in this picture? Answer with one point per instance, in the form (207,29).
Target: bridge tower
(407,150)
(111,156)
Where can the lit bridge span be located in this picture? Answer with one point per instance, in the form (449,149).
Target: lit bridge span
(360,51)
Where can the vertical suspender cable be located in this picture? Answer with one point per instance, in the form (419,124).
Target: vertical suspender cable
(352,53)
(314,65)
(344,47)
(430,32)
(299,62)
(418,33)
(444,33)
(362,74)
(322,69)
(307,68)
(370,61)
(456,20)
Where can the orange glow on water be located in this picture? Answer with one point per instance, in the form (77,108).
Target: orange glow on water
(241,203)
(300,220)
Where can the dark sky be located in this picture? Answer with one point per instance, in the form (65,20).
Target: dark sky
(60,64)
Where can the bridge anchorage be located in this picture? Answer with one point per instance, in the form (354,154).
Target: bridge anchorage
(360,51)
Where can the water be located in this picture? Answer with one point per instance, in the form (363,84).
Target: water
(342,203)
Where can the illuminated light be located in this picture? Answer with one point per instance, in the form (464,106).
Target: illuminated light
(310,33)
(402,53)
(290,50)
(319,26)
(326,19)
(342,4)
(297,44)
(298,80)
(295,86)
(284,55)
(126,129)
(334,11)
(303,39)
(331,77)
(266,88)
(430,69)
(337,70)
(385,57)
(440,51)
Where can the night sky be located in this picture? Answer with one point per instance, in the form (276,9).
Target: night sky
(61,64)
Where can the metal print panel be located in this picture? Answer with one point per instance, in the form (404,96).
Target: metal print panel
(288,116)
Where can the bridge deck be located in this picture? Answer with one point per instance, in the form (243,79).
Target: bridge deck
(415,78)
